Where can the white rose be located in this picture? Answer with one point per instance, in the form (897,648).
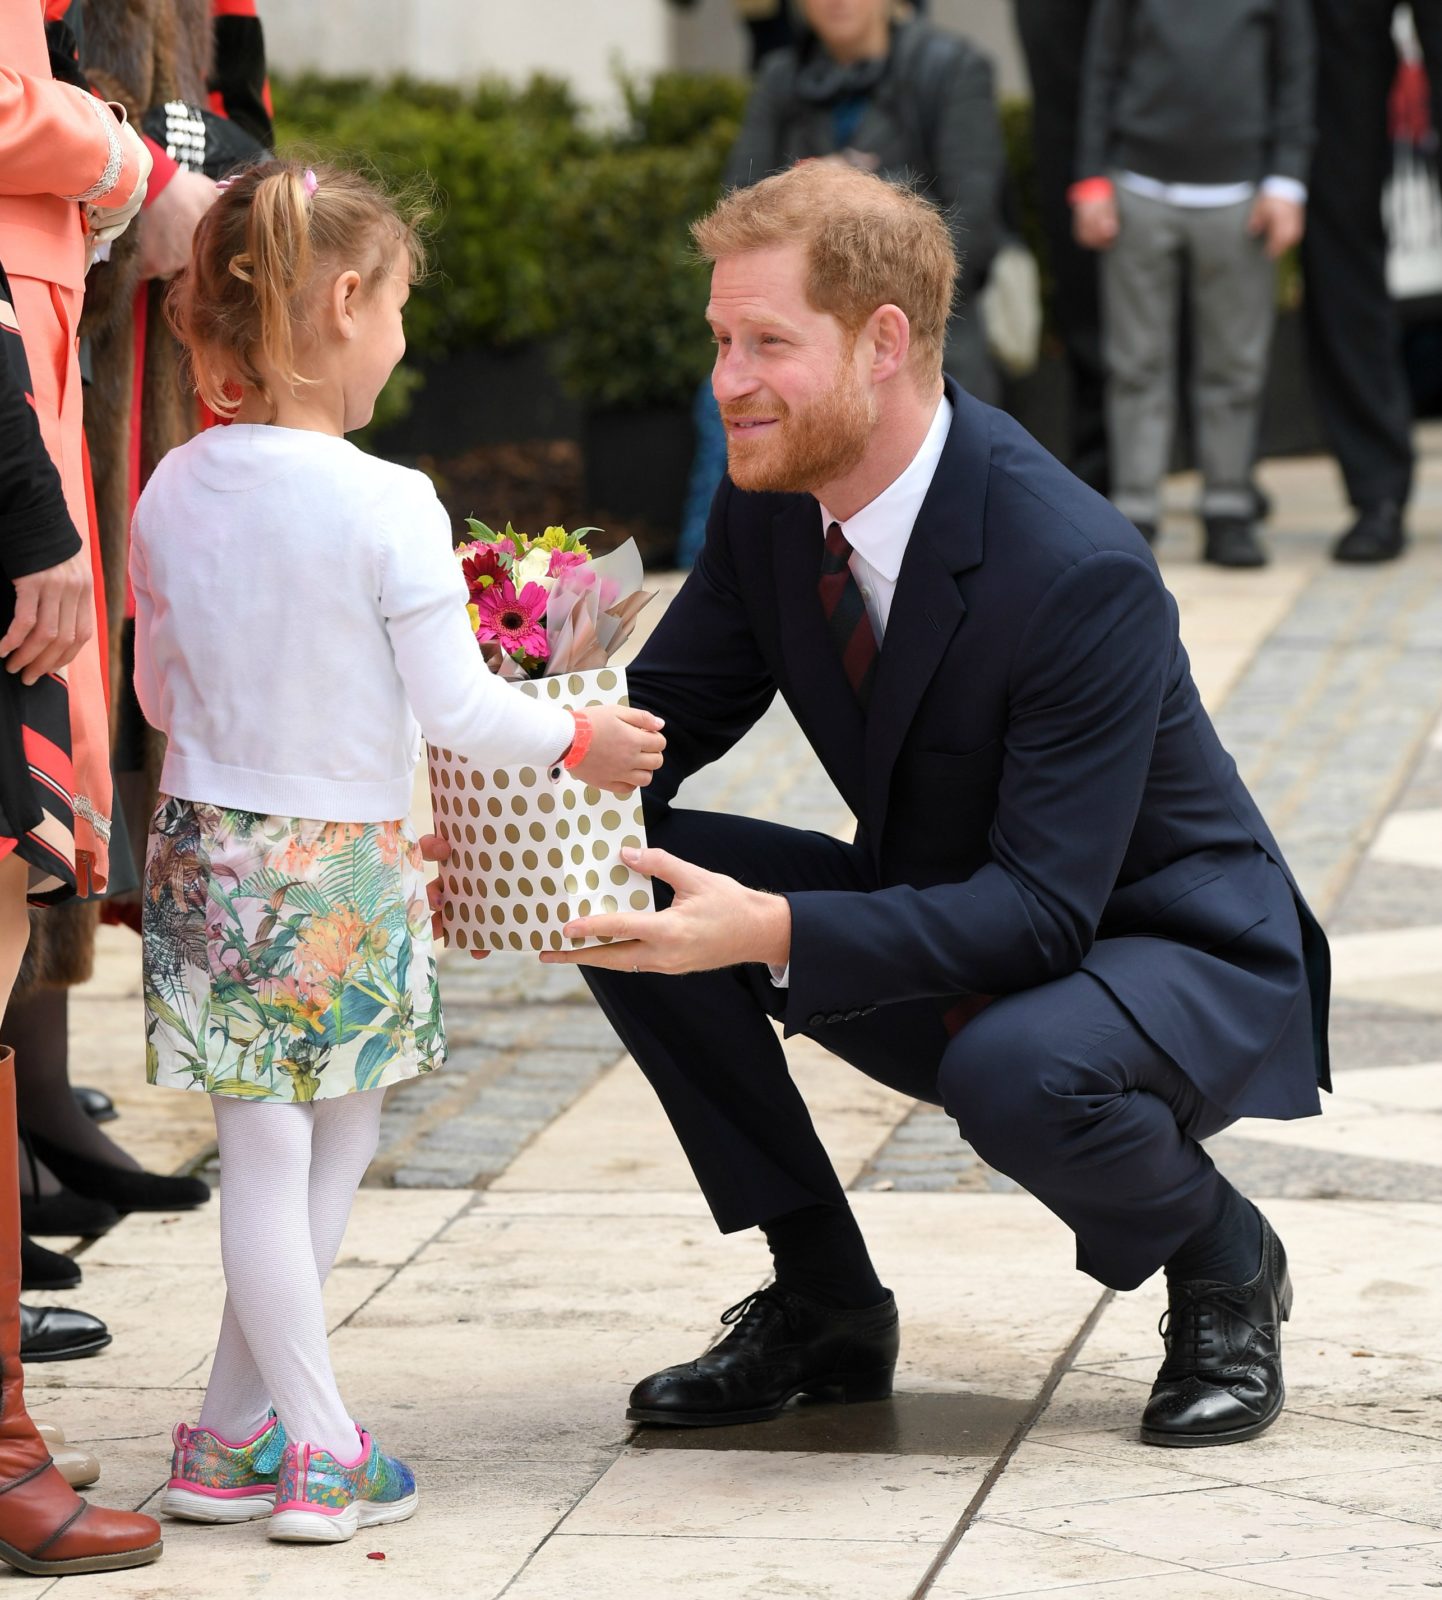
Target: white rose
(533,570)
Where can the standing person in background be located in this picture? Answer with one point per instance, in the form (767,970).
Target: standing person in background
(1193,145)
(1352,327)
(1053,35)
(871,84)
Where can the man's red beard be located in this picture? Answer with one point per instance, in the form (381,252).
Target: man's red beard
(802,450)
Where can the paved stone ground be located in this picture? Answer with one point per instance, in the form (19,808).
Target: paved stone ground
(531,1241)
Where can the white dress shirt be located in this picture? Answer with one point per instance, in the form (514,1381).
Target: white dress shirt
(878,535)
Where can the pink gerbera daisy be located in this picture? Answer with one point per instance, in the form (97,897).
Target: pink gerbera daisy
(513,620)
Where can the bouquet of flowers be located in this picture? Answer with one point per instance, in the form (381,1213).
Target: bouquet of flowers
(544,605)
(530,851)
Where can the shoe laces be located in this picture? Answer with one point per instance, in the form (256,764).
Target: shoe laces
(1189,1326)
(760,1308)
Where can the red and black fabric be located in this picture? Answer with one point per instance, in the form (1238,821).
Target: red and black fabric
(239,88)
(846,615)
(37,817)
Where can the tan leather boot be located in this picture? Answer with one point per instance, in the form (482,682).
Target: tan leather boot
(46,1529)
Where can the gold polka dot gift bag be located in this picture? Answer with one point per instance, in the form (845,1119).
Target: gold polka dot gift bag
(531,847)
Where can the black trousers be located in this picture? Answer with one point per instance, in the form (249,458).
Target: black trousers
(1055,1086)
(1352,326)
(1053,33)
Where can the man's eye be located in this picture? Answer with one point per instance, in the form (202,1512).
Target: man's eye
(720,338)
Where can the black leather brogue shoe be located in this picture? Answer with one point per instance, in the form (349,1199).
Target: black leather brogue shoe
(55,1333)
(1221,1381)
(781,1344)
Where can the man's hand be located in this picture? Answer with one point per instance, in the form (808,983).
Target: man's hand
(168,227)
(54,616)
(436,848)
(712,922)
(1278,221)
(1095,223)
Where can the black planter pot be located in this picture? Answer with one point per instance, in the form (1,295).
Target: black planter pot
(483,396)
(637,464)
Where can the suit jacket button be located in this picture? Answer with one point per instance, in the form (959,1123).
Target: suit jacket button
(867,1010)
(851,1016)
(816,1020)
(837,1016)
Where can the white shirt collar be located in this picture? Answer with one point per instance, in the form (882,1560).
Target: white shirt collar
(880,530)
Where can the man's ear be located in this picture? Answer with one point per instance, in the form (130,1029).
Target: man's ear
(889,335)
(344,297)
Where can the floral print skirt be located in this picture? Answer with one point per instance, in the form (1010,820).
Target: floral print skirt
(286,959)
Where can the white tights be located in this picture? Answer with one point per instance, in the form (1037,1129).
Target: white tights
(289,1174)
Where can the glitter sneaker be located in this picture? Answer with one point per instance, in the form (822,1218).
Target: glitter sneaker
(212,1480)
(320,1500)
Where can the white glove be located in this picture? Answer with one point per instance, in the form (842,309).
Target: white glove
(109,222)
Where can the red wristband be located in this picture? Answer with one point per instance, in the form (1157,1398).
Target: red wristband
(581,743)
(1090,189)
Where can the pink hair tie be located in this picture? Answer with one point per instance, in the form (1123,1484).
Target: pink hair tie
(310,182)
(225,183)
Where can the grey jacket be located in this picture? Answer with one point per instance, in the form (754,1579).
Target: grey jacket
(1198,91)
(931,118)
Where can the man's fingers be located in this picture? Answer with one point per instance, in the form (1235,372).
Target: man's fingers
(434,847)
(625,957)
(681,875)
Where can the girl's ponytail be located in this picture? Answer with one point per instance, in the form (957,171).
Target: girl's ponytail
(276,262)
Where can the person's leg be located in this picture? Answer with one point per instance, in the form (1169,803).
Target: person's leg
(1053,34)
(272,1281)
(1060,1090)
(1352,329)
(45,1527)
(1140,290)
(1233,304)
(344,1135)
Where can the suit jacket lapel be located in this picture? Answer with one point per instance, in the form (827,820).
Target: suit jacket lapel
(817,682)
(927,608)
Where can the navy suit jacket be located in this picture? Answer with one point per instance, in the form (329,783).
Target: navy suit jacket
(1037,786)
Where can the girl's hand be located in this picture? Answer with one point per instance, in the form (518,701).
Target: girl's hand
(54,616)
(626,746)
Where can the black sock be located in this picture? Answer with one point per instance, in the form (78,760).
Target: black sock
(819,1252)
(1227,1250)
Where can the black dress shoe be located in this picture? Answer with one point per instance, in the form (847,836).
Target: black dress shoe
(96,1104)
(1233,542)
(50,1333)
(66,1214)
(45,1269)
(120,1186)
(1376,535)
(1222,1379)
(781,1344)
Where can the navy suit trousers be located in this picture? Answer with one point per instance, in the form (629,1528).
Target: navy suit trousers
(1057,1087)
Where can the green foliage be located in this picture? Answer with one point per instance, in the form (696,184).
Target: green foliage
(633,336)
(542,227)
(675,108)
(489,158)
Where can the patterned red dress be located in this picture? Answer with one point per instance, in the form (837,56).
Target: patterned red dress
(36,776)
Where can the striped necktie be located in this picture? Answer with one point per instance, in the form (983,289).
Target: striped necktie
(846,616)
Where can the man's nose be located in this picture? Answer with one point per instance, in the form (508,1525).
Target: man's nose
(731,378)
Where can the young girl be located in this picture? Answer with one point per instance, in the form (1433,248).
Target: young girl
(298,612)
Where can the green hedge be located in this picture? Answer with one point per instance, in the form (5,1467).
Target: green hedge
(542,226)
